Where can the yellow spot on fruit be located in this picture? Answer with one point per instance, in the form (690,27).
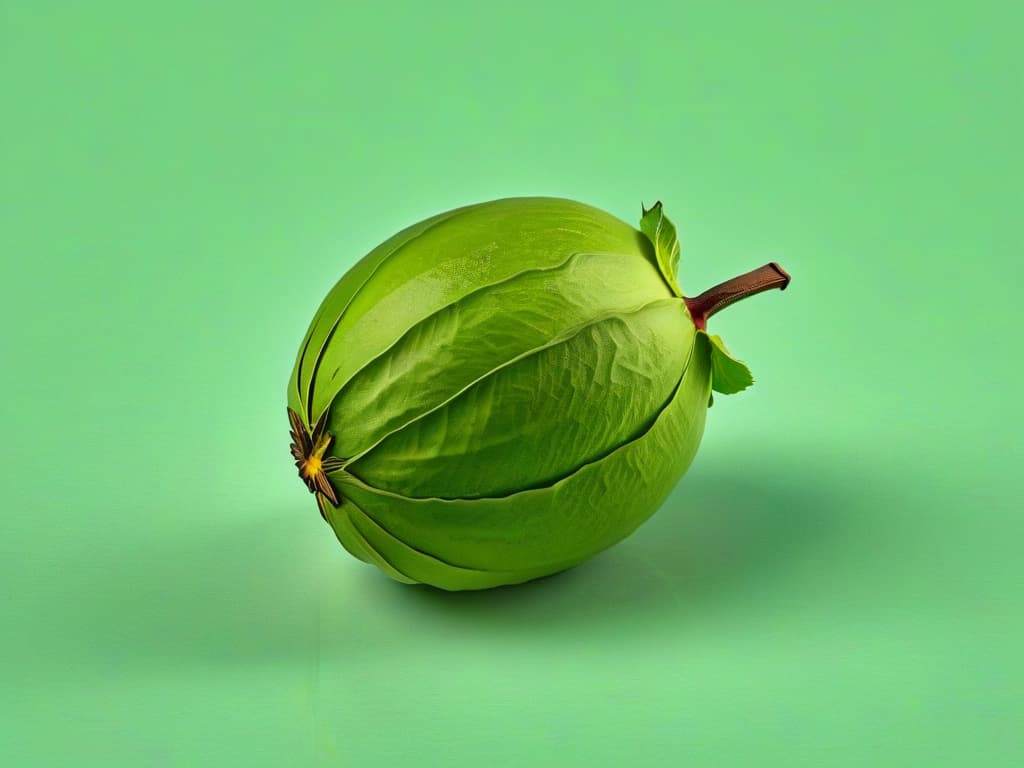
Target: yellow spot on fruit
(313,466)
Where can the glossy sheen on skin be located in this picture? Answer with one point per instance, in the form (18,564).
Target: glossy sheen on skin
(439,261)
(511,387)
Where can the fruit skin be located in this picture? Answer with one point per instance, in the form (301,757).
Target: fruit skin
(504,390)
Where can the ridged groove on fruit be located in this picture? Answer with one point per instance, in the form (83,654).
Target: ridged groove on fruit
(448,261)
(569,265)
(429,569)
(433,224)
(530,528)
(494,437)
(455,345)
(566,336)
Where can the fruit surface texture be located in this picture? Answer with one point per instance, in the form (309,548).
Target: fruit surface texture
(501,391)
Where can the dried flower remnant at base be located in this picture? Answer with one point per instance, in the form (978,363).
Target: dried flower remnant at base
(506,389)
(308,452)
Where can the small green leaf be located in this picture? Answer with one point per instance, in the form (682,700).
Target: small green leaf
(728,375)
(662,234)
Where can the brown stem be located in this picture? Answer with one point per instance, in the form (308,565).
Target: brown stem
(722,295)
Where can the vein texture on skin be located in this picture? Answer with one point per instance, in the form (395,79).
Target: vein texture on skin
(526,530)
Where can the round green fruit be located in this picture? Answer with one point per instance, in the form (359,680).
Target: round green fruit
(501,391)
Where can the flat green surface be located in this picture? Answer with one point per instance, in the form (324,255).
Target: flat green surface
(838,581)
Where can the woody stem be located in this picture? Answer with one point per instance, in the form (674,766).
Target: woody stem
(719,297)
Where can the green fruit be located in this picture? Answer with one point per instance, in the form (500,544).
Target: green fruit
(501,391)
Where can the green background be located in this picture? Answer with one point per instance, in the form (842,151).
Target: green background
(837,581)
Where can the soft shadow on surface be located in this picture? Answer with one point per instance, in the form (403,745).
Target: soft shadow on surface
(719,537)
(221,593)
(280,588)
